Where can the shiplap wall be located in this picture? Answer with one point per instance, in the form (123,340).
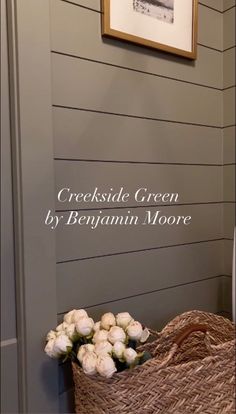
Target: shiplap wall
(229,83)
(122,115)
(127,116)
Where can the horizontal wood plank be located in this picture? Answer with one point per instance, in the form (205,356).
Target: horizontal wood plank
(91,4)
(148,96)
(229,29)
(189,184)
(228,3)
(229,67)
(228,257)
(81,241)
(229,106)
(229,220)
(213,37)
(215,4)
(88,135)
(110,278)
(229,183)
(157,308)
(229,145)
(226,305)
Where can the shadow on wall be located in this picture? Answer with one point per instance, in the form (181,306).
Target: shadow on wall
(147,52)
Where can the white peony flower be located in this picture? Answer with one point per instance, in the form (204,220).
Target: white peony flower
(71,331)
(84,326)
(62,327)
(118,349)
(145,335)
(135,330)
(100,336)
(50,349)
(116,334)
(51,335)
(89,363)
(123,319)
(68,317)
(130,355)
(103,348)
(83,350)
(105,366)
(78,314)
(61,343)
(97,326)
(107,321)
(59,333)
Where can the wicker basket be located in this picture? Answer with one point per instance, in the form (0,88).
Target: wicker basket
(192,371)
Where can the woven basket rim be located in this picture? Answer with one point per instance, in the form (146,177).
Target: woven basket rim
(167,337)
(153,361)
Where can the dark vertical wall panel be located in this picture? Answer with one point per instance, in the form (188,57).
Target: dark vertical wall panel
(31,121)
(8,326)
(8,344)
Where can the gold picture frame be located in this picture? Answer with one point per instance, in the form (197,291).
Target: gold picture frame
(109,31)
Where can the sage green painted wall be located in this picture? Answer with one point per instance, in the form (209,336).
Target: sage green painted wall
(118,118)
(120,114)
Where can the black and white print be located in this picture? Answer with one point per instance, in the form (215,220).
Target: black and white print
(160,9)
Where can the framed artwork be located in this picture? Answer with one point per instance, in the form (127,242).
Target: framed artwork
(168,25)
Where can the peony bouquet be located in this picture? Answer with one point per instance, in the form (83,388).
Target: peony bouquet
(104,347)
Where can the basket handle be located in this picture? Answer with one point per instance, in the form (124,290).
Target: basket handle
(179,340)
(189,329)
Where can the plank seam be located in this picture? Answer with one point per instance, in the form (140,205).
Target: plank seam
(217,10)
(229,48)
(226,10)
(150,292)
(140,250)
(229,164)
(228,87)
(73,56)
(211,8)
(228,126)
(136,162)
(145,206)
(138,117)
(81,6)
(210,47)
(144,162)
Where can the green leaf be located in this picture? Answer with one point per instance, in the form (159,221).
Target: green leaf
(145,357)
(69,349)
(120,365)
(65,359)
(132,344)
